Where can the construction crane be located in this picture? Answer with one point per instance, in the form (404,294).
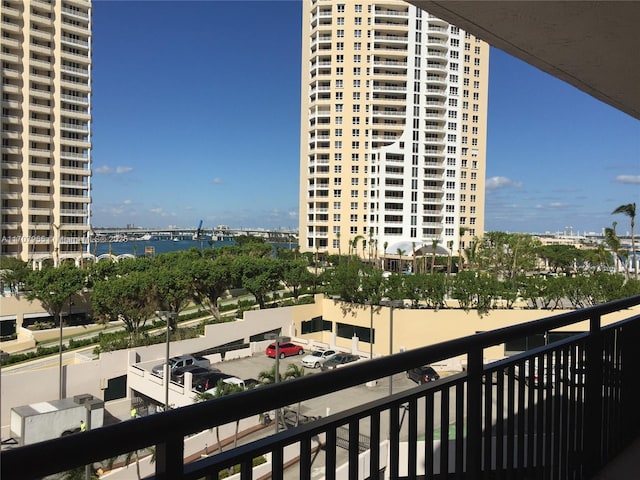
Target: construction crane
(196,236)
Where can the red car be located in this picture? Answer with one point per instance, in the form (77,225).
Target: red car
(284,349)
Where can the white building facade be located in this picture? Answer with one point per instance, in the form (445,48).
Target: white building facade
(46,129)
(393,130)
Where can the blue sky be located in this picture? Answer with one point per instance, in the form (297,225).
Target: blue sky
(196,116)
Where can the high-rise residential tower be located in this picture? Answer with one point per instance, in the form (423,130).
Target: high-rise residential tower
(393,129)
(46,99)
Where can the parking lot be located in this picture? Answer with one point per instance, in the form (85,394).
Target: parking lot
(250,367)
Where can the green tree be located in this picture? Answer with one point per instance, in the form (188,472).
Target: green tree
(559,257)
(395,286)
(173,284)
(13,273)
(258,276)
(296,275)
(434,287)
(222,389)
(630,211)
(211,277)
(129,298)
(505,255)
(343,280)
(54,287)
(242,240)
(294,371)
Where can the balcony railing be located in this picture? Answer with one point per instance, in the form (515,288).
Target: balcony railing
(506,419)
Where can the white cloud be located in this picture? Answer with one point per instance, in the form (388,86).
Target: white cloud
(103,169)
(495,183)
(635,179)
(124,169)
(216,181)
(127,202)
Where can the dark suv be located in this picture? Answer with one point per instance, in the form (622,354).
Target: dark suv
(424,374)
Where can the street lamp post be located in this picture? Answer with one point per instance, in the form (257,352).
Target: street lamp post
(392,304)
(60,357)
(371,333)
(277,339)
(166,315)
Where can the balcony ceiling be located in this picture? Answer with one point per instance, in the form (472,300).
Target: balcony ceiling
(592,45)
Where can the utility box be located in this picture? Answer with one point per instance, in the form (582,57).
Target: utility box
(56,418)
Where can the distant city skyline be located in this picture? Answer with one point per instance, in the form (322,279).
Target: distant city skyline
(195,120)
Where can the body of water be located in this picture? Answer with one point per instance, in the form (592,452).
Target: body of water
(140,247)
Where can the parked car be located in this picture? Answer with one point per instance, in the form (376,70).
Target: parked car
(206,382)
(423,374)
(284,350)
(317,358)
(196,371)
(339,360)
(230,380)
(179,362)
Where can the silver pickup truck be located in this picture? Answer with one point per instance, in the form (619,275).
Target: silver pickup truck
(181,361)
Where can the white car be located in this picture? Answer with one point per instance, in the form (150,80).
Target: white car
(317,358)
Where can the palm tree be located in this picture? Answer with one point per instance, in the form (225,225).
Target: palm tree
(613,242)
(370,242)
(354,244)
(339,250)
(460,262)
(294,371)
(413,254)
(434,248)
(222,389)
(268,376)
(630,211)
(400,252)
(384,252)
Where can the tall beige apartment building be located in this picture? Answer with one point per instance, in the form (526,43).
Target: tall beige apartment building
(46,104)
(393,130)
